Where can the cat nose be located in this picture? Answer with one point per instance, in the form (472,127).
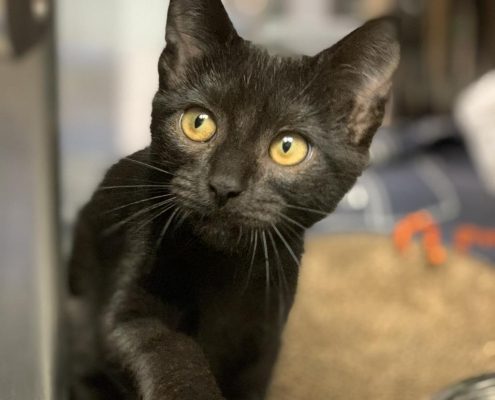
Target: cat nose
(225,188)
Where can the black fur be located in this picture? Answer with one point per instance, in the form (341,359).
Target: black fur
(176,296)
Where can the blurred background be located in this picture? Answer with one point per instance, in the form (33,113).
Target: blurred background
(76,83)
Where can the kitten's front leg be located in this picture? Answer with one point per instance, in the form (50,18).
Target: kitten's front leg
(164,364)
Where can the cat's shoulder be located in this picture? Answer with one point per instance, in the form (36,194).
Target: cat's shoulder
(122,182)
(133,166)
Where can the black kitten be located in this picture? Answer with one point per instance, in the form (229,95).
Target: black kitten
(186,258)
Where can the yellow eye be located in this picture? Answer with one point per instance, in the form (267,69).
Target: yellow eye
(198,125)
(289,149)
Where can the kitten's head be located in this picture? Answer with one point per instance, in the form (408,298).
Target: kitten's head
(257,141)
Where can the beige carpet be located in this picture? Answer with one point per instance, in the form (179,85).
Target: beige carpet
(371,324)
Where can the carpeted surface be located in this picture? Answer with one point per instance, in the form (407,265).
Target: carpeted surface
(371,324)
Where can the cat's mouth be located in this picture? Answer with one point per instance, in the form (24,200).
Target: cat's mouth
(231,222)
(249,214)
(223,234)
(227,228)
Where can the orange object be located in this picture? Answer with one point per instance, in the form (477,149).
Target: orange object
(468,236)
(421,222)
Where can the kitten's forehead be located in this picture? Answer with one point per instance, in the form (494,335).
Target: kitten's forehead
(249,77)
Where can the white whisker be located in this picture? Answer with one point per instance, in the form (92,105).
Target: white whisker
(165,228)
(116,226)
(157,215)
(282,284)
(148,166)
(132,187)
(254,243)
(291,229)
(240,235)
(286,244)
(267,269)
(312,210)
(183,217)
(137,202)
(292,221)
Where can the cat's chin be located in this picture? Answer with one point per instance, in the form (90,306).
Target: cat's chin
(225,236)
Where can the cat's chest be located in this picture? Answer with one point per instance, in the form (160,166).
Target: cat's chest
(222,297)
(197,283)
(211,292)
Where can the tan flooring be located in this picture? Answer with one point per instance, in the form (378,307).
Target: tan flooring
(369,323)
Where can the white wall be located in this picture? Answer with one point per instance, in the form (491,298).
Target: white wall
(107,56)
(141,28)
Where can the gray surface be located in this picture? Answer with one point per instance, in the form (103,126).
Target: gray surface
(27,255)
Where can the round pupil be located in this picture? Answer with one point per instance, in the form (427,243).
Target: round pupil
(200,120)
(287,144)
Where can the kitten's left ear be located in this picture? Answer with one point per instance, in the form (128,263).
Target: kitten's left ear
(194,28)
(359,71)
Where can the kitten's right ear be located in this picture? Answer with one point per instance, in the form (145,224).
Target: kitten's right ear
(195,28)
